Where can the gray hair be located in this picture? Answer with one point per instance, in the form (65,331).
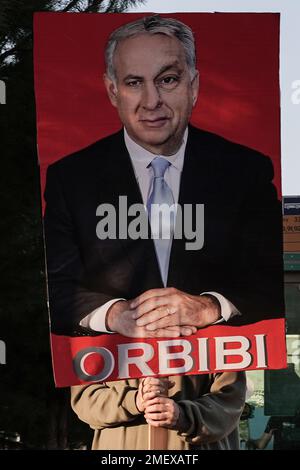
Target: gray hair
(152,25)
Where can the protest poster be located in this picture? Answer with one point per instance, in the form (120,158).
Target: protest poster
(230,192)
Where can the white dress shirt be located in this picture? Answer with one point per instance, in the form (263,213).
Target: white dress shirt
(141,159)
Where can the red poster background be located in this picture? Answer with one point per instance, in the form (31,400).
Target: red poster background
(238,60)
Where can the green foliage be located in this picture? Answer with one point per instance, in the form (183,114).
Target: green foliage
(16,19)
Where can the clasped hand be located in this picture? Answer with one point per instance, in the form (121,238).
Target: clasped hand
(166,312)
(158,409)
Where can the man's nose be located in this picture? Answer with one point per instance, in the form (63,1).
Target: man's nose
(151,98)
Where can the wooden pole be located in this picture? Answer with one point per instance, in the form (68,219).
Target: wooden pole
(158,437)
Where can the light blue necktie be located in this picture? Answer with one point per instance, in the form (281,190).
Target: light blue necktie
(162,226)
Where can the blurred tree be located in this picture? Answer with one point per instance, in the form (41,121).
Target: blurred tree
(16,19)
(29,402)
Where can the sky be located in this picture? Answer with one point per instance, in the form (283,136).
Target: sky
(289,67)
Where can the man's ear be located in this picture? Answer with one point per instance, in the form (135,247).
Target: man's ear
(111,89)
(195,87)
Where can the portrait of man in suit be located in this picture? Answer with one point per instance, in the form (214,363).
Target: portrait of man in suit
(104,278)
(156,287)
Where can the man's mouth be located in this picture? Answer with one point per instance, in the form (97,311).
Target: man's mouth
(154,122)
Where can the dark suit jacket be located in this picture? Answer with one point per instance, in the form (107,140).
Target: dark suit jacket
(242,253)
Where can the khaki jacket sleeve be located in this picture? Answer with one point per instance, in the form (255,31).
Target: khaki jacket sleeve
(105,405)
(216,414)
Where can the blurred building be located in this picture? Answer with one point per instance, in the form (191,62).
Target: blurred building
(277,392)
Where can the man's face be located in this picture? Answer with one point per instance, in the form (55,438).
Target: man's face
(154,93)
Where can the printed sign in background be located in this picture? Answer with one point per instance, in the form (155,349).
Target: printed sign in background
(291,227)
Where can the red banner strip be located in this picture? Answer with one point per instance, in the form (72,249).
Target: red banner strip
(108,357)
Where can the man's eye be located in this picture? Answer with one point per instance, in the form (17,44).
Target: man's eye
(134,83)
(169,82)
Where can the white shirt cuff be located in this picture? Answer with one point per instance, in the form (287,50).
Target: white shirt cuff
(228,310)
(96,319)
